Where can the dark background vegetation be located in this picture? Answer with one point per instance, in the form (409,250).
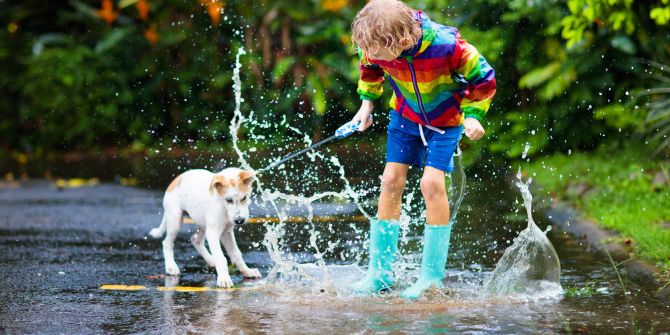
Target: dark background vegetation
(138,74)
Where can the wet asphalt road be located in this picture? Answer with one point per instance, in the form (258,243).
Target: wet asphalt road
(57,247)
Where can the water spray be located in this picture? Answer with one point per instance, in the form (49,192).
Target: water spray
(457,183)
(530,265)
(343,131)
(285,268)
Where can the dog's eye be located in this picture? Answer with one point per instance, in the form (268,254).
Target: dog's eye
(244,199)
(229,200)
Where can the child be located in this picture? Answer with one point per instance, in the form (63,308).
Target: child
(440,85)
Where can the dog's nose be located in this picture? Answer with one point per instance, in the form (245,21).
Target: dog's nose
(240,221)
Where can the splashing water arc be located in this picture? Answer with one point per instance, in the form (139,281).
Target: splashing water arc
(285,268)
(530,264)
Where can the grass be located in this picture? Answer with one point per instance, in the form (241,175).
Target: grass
(585,291)
(615,190)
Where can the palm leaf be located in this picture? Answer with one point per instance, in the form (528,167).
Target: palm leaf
(657,121)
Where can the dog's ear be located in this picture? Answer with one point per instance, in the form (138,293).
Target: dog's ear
(247,177)
(218,184)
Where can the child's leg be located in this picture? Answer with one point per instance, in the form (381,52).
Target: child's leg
(393,185)
(384,231)
(437,234)
(435,194)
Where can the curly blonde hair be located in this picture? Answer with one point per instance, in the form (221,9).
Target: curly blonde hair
(385,24)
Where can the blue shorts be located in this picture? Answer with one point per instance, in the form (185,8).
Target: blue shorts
(404,144)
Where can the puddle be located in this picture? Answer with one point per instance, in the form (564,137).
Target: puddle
(58,247)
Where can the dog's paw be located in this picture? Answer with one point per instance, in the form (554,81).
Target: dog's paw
(224,281)
(172,269)
(251,273)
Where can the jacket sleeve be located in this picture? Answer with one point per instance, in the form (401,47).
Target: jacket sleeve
(371,81)
(480,78)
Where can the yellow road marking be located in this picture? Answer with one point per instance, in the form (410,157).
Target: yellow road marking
(76,182)
(300,219)
(113,287)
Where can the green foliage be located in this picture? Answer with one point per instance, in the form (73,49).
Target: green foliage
(657,121)
(563,72)
(661,14)
(282,67)
(651,105)
(539,76)
(615,14)
(586,291)
(617,192)
(522,129)
(57,91)
(622,116)
(554,79)
(578,94)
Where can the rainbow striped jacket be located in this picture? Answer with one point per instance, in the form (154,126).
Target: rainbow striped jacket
(438,82)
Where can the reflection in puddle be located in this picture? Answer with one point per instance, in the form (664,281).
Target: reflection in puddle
(305,306)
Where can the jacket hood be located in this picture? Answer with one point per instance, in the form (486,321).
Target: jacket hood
(427,35)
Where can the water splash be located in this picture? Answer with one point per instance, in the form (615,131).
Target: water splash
(526,148)
(456,185)
(287,269)
(530,265)
(238,118)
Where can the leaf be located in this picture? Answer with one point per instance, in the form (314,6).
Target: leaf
(617,19)
(660,15)
(126,3)
(558,84)
(589,13)
(111,40)
(84,8)
(316,90)
(618,115)
(624,44)
(573,6)
(281,67)
(538,76)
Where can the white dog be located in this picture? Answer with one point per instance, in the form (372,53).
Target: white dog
(216,202)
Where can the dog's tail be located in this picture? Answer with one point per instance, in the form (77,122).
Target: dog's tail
(158,232)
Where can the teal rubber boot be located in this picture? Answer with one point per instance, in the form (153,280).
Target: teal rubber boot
(383,250)
(435,252)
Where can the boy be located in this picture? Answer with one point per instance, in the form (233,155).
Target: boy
(440,85)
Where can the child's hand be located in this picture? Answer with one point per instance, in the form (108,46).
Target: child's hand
(364,115)
(473,129)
